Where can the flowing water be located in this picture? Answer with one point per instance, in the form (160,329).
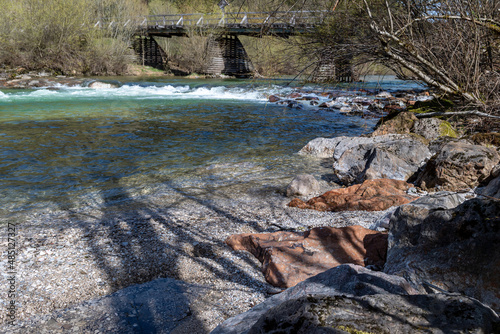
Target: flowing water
(68,147)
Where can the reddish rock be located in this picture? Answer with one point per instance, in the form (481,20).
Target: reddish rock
(371,195)
(274,98)
(291,257)
(294,95)
(307,98)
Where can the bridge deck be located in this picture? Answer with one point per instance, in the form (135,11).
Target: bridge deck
(282,24)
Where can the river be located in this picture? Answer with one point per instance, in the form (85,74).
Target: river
(72,147)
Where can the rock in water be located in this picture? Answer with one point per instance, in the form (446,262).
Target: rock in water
(101,85)
(303,185)
(372,195)
(458,165)
(291,257)
(456,249)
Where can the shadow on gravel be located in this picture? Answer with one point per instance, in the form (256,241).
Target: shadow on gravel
(135,242)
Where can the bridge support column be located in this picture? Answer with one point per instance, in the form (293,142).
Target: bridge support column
(226,55)
(149,52)
(335,69)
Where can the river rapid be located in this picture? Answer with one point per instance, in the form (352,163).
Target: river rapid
(75,147)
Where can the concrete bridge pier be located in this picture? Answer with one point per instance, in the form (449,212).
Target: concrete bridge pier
(226,55)
(149,52)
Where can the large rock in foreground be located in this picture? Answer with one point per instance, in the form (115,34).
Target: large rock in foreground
(347,279)
(291,257)
(389,304)
(456,250)
(434,313)
(372,195)
(457,166)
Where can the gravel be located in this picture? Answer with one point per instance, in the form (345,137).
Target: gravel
(67,257)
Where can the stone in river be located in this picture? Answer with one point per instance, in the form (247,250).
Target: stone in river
(273,98)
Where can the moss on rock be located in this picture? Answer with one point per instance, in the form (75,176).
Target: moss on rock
(447,130)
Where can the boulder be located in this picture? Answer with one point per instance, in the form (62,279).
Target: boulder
(291,257)
(453,249)
(401,123)
(433,128)
(457,166)
(344,280)
(303,185)
(326,147)
(371,195)
(492,189)
(395,157)
(387,313)
(274,98)
(321,147)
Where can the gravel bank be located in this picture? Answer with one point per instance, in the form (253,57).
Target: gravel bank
(66,257)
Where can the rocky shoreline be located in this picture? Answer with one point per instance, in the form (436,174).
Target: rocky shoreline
(163,265)
(66,258)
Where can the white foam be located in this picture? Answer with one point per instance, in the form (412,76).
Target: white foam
(149,92)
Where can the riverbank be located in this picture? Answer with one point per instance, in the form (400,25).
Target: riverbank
(143,219)
(68,257)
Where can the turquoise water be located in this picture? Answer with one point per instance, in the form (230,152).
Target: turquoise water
(72,146)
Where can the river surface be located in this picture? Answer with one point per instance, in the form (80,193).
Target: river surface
(70,147)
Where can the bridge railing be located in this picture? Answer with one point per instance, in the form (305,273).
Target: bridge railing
(298,18)
(231,19)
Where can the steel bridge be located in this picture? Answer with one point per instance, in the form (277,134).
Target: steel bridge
(224,52)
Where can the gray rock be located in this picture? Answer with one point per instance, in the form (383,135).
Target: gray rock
(321,147)
(429,128)
(395,157)
(347,143)
(493,187)
(457,166)
(455,249)
(388,313)
(344,280)
(303,185)
(382,224)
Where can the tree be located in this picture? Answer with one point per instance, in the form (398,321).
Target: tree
(453,45)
